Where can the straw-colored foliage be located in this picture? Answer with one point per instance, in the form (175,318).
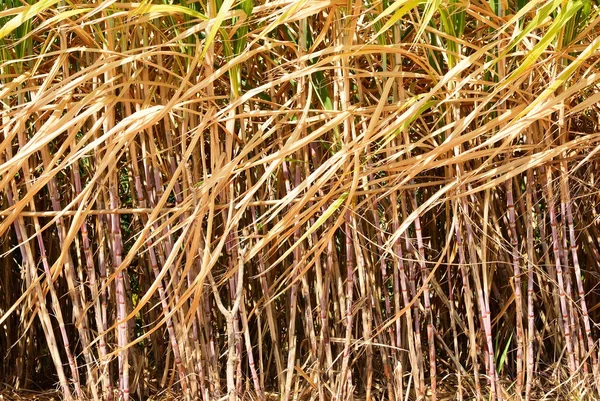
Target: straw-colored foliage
(300,199)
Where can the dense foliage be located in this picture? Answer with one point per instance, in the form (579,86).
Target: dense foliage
(300,199)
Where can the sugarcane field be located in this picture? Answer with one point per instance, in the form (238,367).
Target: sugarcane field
(299,200)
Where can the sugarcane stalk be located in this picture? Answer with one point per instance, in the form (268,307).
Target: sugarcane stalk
(469,307)
(291,359)
(269,309)
(517,283)
(401,281)
(55,303)
(426,301)
(581,292)
(349,312)
(44,316)
(412,280)
(229,315)
(559,272)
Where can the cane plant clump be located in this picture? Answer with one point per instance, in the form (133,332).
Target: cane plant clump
(300,200)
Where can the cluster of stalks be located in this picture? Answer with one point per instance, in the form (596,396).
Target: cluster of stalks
(317,200)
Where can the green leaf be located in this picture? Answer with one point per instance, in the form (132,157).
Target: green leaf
(556,27)
(25,15)
(540,16)
(430,8)
(504,354)
(402,7)
(218,20)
